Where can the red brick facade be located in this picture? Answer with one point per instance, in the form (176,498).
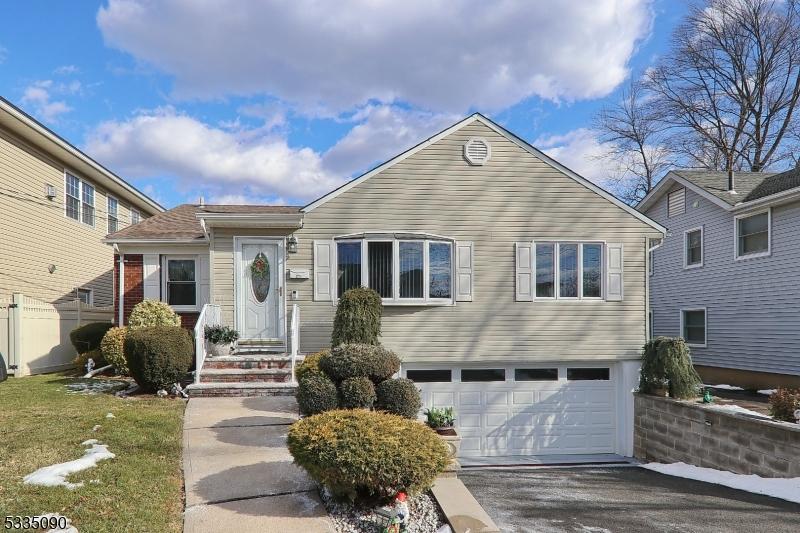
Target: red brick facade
(134,290)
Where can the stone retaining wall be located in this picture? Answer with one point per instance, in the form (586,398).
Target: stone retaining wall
(669,431)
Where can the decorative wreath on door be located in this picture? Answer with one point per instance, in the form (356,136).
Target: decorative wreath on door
(259,273)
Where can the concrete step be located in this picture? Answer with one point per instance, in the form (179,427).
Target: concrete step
(203,390)
(232,375)
(250,361)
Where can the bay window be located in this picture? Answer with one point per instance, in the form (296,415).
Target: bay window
(402,271)
(568,270)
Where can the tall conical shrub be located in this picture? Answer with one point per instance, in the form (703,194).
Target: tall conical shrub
(667,360)
(358,318)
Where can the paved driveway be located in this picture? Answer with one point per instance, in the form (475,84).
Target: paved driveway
(626,499)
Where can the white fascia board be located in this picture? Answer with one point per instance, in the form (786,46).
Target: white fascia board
(121,242)
(777,198)
(278,220)
(51,136)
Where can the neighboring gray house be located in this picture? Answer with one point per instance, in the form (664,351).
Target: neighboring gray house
(727,276)
(513,288)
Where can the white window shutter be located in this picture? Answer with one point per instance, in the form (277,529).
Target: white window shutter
(464,271)
(203,284)
(323,271)
(524,271)
(151,274)
(614,281)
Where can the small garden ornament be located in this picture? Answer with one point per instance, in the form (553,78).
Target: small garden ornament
(707,398)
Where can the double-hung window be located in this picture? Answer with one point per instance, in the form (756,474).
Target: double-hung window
(135,217)
(181,282)
(78,199)
(402,271)
(113,214)
(569,270)
(693,326)
(693,248)
(87,203)
(753,235)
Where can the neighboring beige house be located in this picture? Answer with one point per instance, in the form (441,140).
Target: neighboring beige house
(513,289)
(56,206)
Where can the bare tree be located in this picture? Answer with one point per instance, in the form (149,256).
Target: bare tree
(730,84)
(632,135)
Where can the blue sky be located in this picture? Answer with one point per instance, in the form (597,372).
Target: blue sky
(276,102)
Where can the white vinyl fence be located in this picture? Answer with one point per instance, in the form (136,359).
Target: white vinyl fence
(34,335)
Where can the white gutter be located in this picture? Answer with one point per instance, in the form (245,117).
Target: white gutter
(121,310)
(778,197)
(155,241)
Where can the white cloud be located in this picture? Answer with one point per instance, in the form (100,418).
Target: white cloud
(580,151)
(66,70)
(39,96)
(256,165)
(338,56)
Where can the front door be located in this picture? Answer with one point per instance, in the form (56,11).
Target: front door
(259,300)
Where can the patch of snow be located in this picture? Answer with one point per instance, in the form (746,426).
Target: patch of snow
(110,415)
(594,529)
(724,387)
(783,488)
(93,386)
(69,527)
(97,427)
(55,475)
(89,442)
(768,392)
(737,409)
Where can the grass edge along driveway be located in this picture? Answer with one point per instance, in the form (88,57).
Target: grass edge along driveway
(41,424)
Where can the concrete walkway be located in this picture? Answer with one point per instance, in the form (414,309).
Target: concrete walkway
(238,473)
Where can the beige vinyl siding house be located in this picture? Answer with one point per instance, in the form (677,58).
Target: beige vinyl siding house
(536,356)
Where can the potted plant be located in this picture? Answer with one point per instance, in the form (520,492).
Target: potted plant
(221,339)
(443,421)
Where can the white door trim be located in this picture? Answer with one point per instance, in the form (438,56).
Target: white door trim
(281,275)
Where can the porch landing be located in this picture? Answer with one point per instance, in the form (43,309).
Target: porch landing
(246,374)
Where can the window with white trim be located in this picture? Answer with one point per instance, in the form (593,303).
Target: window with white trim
(753,235)
(693,248)
(693,326)
(181,282)
(85,296)
(136,217)
(87,203)
(569,270)
(400,270)
(113,214)
(73,196)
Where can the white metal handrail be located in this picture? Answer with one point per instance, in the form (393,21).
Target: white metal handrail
(295,336)
(209,316)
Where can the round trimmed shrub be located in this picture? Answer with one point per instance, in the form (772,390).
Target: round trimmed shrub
(358,317)
(367,455)
(360,360)
(316,393)
(357,393)
(310,364)
(88,337)
(113,348)
(158,356)
(149,313)
(399,396)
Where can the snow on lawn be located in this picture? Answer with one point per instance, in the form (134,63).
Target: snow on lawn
(95,386)
(59,519)
(738,409)
(783,488)
(54,475)
(723,386)
(768,392)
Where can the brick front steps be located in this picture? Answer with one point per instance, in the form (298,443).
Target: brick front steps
(247,374)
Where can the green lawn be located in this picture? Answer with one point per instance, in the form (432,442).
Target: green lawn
(139,490)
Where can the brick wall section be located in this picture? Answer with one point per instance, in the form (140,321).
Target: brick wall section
(188,320)
(134,284)
(669,431)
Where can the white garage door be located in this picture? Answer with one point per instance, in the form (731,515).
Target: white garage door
(522,410)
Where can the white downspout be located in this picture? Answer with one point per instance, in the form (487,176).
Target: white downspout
(121,289)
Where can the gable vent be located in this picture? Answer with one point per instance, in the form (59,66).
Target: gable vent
(477,151)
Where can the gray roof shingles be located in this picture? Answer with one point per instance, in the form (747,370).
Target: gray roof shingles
(716,183)
(182,223)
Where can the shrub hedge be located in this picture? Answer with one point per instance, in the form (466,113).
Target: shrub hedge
(357,393)
(360,360)
(667,361)
(367,455)
(149,313)
(310,364)
(158,356)
(113,348)
(316,393)
(783,403)
(358,317)
(399,396)
(88,337)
